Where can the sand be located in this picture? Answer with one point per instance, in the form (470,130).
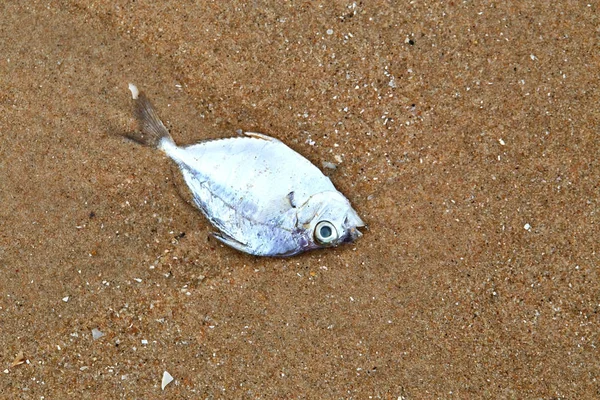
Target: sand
(465,134)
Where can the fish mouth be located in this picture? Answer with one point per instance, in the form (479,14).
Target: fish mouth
(354,222)
(352,234)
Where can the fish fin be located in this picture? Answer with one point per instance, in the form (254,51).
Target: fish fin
(153,131)
(231,242)
(291,199)
(260,136)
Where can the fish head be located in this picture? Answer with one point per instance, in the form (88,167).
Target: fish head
(327,219)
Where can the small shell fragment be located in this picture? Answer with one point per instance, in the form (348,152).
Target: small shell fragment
(166,379)
(97,333)
(134,91)
(329,165)
(19,359)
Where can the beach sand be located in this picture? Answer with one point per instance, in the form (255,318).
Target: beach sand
(464,133)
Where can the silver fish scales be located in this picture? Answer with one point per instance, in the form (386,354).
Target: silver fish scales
(263,197)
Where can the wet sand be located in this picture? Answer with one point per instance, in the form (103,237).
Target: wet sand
(465,133)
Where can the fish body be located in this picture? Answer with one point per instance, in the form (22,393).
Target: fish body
(263,197)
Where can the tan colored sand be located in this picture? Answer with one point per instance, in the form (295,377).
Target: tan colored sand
(459,125)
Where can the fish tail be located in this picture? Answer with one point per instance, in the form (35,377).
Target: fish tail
(153,131)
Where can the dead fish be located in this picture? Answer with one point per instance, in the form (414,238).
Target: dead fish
(263,197)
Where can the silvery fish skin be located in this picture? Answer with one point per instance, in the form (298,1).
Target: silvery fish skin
(263,197)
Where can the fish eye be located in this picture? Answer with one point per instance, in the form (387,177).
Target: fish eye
(325,232)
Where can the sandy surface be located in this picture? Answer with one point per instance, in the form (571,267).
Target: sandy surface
(468,133)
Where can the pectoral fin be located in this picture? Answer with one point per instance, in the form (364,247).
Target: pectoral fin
(291,199)
(231,242)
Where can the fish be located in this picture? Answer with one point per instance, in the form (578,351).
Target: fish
(263,197)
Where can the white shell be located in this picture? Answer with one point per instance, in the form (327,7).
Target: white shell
(166,379)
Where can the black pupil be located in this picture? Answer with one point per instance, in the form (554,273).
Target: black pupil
(325,231)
